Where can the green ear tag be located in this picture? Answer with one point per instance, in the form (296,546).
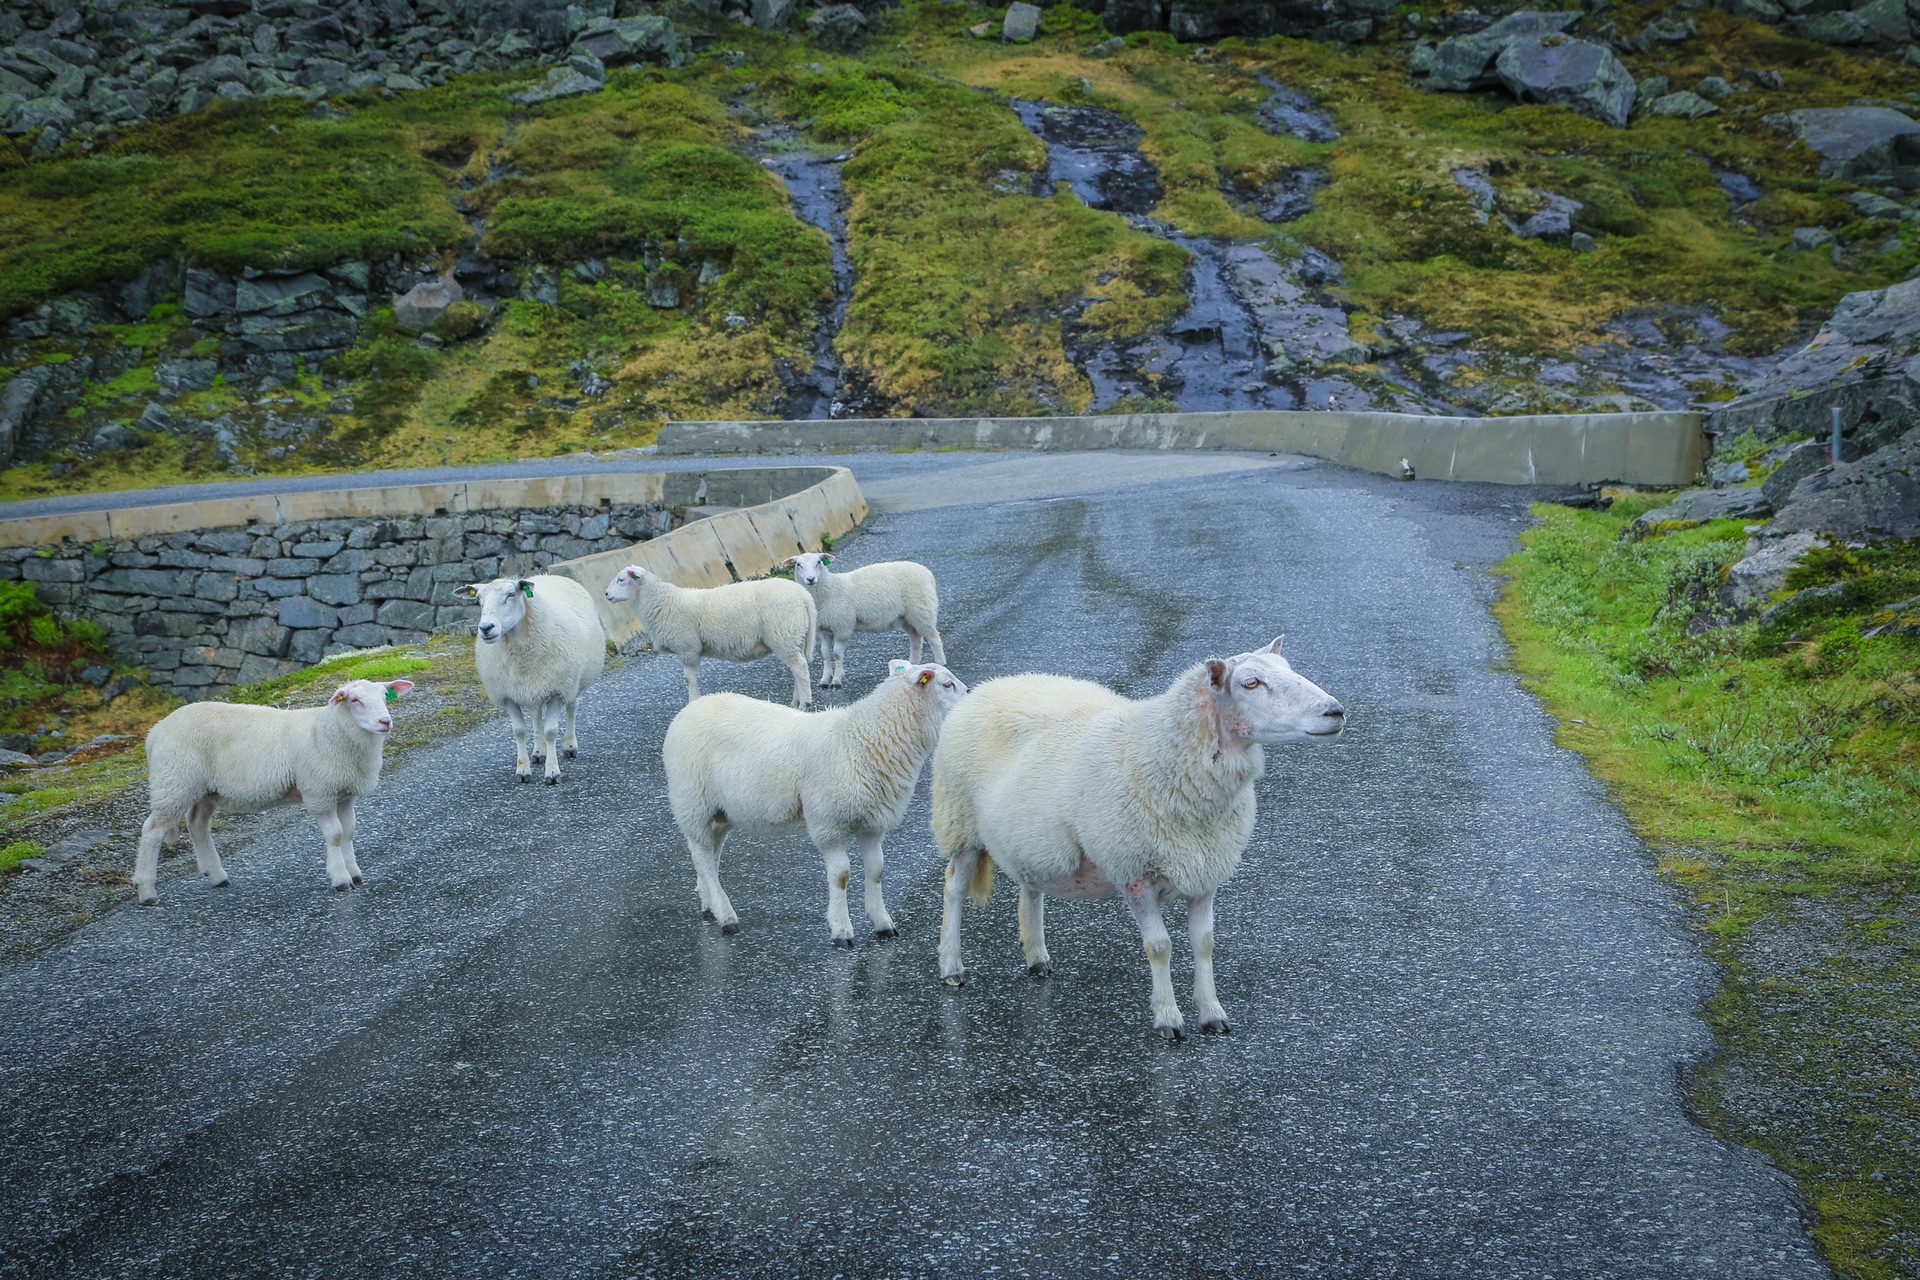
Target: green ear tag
(526,589)
(392,694)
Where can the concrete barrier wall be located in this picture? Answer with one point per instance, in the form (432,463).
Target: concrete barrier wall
(743,543)
(1662,448)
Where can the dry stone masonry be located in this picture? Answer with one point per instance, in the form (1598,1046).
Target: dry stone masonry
(206,609)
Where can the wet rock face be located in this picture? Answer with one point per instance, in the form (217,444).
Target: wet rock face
(1095,153)
(1876,497)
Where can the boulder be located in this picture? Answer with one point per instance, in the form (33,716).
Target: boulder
(1685,104)
(773,15)
(1466,62)
(177,377)
(582,74)
(417,308)
(1703,505)
(1765,568)
(617,42)
(1022,22)
(1872,146)
(19,402)
(1876,497)
(1575,74)
(838,26)
(1553,222)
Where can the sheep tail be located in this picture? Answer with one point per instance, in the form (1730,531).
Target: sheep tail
(980,888)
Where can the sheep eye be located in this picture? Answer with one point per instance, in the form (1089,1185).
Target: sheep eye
(1251,684)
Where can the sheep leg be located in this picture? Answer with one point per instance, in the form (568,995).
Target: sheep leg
(838,873)
(874,863)
(336,837)
(939,650)
(1143,899)
(836,655)
(959,873)
(693,677)
(802,683)
(146,863)
(344,812)
(573,727)
(1206,1002)
(549,729)
(200,831)
(913,646)
(705,848)
(1033,931)
(522,767)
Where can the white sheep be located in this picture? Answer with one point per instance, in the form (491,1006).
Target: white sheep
(846,774)
(220,756)
(1081,793)
(538,645)
(894,595)
(737,622)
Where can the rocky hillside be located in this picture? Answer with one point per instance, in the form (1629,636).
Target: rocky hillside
(250,235)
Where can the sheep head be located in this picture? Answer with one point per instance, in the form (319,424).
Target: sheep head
(808,567)
(930,679)
(625,584)
(503,605)
(1259,698)
(367,701)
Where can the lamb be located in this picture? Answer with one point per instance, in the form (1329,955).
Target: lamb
(892,596)
(846,774)
(538,645)
(737,622)
(220,756)
(1077,792)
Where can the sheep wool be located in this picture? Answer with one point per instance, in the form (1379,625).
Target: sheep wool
(208,757)
(845,774)
(1074,791)
(738,622)
(537,647)
(895,595)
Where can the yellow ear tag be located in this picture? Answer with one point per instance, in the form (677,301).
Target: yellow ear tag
(925,677)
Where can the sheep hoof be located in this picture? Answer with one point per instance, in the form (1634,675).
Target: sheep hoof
(222,884)
(1042,969)
(573,753)
(553,779)
(344,887)
(150,902)
(1214,1027)
(524,777)
(731,926)
(955,979)
(358,881)
(1172,1035)
(845,944)
(886,935)
(708,915)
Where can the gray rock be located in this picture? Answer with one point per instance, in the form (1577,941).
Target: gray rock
(1873,146)
(1787,465)
(838,26)
(1876,497)
(417,309)
(1553,222)
(15,759)
(114,437)
(1581,242)
(1021,23)
(49,115)
(1466,62)
(1653,87)
(1740,189)
(304,612)
(561,82)
(662,292)
(1765,568)
(1685,104)
(1812,238)
(1575,74)
(1869,205)
(20,405)
(1714,89)
(1902,619)
(177,377)
(282,295)
(332,588)
(207,293)
(618,42)
(1702,505)
(773,15)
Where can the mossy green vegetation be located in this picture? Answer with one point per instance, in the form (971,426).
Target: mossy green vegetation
(1775,770)
(12,855)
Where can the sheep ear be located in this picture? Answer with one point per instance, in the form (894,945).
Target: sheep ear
(789,562)
(1217,674)
(398,687)
(898,665)
(526,587)
(1277,640)
(339,695)
(469,592)
(826,558)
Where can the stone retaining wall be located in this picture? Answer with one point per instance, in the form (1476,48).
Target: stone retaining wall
(205,609)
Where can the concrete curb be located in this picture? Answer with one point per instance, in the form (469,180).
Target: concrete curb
(1658,448)
(746,542)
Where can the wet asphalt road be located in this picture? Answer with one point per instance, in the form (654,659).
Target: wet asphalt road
(1459,997)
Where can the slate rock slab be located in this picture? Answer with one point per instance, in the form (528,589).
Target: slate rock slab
(1576,74)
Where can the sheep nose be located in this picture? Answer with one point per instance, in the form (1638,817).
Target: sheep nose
(1334,711)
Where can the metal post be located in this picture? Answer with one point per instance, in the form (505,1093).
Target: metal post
(1834,456)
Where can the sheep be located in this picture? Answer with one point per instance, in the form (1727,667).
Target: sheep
(846,774)
(891,596)
(1077,792)
(538,645)
(220,756)
(737,622)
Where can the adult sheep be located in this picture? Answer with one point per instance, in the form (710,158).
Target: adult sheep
(737,622)
(845,774)
(894,595)
(538,645)
(210,757)
(1075,791)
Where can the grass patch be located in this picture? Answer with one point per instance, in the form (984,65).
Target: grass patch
(337,671)
(1773,769)
(19,851)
